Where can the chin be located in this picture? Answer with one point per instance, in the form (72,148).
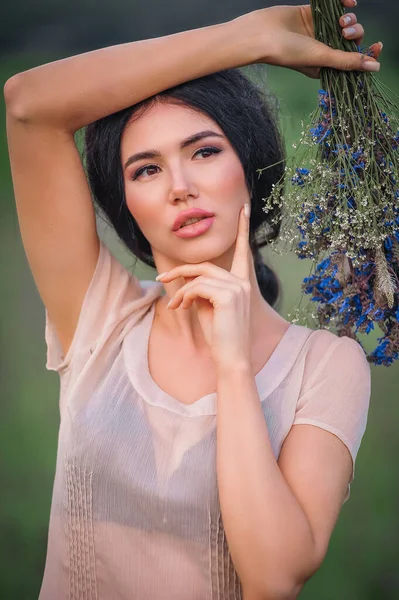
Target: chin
(207,248)
(209,251)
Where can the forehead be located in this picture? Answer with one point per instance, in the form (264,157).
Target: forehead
(164,125)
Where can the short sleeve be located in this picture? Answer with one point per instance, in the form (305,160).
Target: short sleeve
(112,297)
(336,395)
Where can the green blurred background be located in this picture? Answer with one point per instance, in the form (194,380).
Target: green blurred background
(363,558)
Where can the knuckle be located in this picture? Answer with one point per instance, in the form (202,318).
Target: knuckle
(246,286)
(209,280)
(238,290)
(229,296)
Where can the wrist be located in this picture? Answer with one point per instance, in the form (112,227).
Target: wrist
(247,30)
(251,28)
(240,367)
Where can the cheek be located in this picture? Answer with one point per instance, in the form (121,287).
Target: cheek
(147,212)
(232,180)
(133,204)
(140,209)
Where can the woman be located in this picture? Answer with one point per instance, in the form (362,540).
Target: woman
(180,473)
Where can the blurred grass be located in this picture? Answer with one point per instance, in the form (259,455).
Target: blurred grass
(361,563)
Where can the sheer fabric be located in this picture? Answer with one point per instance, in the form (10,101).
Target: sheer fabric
(135,510)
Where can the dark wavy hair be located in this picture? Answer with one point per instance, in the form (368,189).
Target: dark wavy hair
(248,118)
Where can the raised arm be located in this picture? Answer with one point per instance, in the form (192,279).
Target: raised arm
(70,93)
(75,91)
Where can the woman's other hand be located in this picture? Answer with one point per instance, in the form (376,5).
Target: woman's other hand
(287,38)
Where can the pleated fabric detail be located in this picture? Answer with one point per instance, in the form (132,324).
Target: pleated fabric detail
(82,559)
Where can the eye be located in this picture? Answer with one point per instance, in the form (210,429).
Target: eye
(208,149)
(142,170)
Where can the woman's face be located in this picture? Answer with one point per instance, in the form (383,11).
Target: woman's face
(205,174)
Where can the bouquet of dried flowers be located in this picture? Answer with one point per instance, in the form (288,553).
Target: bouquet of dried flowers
(342,205)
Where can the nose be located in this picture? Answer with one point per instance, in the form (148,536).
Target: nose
(182,186)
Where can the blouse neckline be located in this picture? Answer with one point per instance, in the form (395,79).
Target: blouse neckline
(136,347)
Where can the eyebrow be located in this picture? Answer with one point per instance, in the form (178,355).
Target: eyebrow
(184,144)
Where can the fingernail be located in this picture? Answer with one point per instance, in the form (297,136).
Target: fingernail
(381,44)
(354,2)
(370,65)
(346,20)
(161,275)
(247,210)
(350,31)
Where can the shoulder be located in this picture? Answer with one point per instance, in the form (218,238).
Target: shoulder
(328,354)
(117,270)
(114,302)
(323,341)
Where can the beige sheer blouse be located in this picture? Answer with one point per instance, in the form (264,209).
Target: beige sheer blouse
(135,511)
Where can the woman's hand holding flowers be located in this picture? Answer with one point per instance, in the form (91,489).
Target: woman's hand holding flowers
(222,299)
(287,39)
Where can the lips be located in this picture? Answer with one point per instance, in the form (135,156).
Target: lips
(191,213)
(195,229)
(189,222)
